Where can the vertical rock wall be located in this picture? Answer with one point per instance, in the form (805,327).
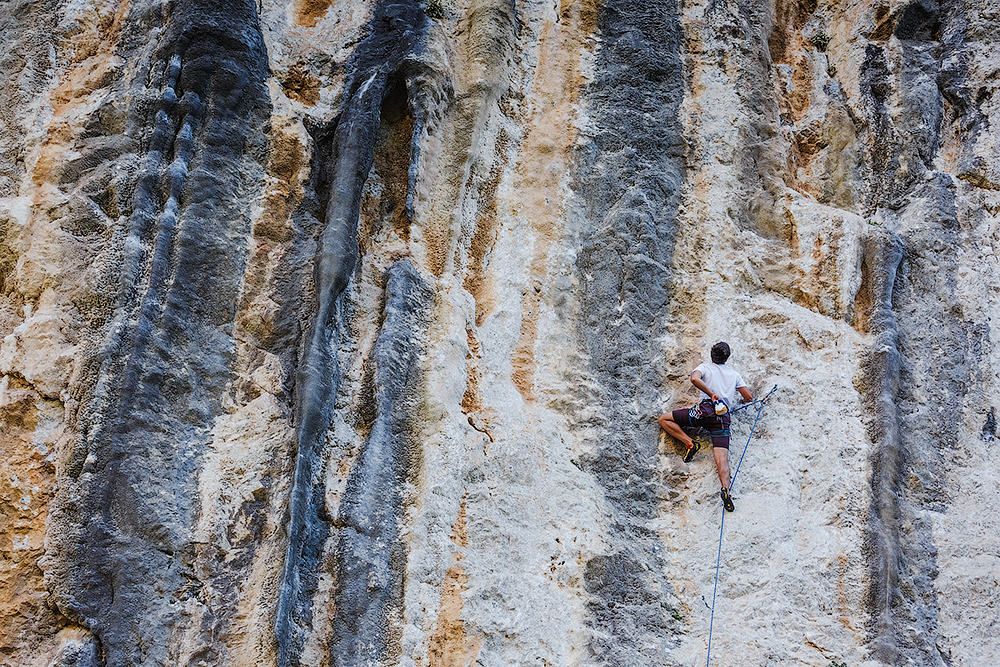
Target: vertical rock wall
(334,332)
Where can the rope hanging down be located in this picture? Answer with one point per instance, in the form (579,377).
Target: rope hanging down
(722,525)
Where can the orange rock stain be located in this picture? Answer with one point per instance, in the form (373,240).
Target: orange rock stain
(450,645)
(274,232)
(544,166)
(27,485)
(309,12)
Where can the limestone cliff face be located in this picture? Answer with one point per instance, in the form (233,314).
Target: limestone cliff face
(334,332)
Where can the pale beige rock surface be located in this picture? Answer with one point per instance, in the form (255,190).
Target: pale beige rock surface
(289,376)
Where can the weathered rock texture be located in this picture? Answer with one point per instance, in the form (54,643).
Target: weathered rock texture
(333,332)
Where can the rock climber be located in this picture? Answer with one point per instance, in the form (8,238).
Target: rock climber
(718,384)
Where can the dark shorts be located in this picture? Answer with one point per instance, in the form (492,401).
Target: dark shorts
(716,425)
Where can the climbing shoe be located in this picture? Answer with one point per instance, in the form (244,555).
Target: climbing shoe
(727,500)
(692,450)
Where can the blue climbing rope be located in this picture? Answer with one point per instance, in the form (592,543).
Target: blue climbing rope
(722,524)
(718,559)
(733,480)
(747,405)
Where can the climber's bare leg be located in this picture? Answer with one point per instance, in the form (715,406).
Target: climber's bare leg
(722,464)
(672,428)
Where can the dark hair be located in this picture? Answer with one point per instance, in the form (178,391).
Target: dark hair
(720,352)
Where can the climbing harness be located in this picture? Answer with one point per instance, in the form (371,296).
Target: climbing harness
(722,525)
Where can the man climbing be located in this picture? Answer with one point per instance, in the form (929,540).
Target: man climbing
(718,384)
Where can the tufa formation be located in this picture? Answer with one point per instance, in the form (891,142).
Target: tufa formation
(333,332)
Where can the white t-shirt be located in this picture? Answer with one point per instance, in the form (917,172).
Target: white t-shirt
(721,379)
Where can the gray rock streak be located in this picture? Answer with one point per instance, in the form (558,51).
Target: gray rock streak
(628,176)
(883,253)
(167,356)
(379,64)
(372,557)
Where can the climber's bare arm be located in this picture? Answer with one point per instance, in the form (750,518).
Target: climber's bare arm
(696,381)
(745,393)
